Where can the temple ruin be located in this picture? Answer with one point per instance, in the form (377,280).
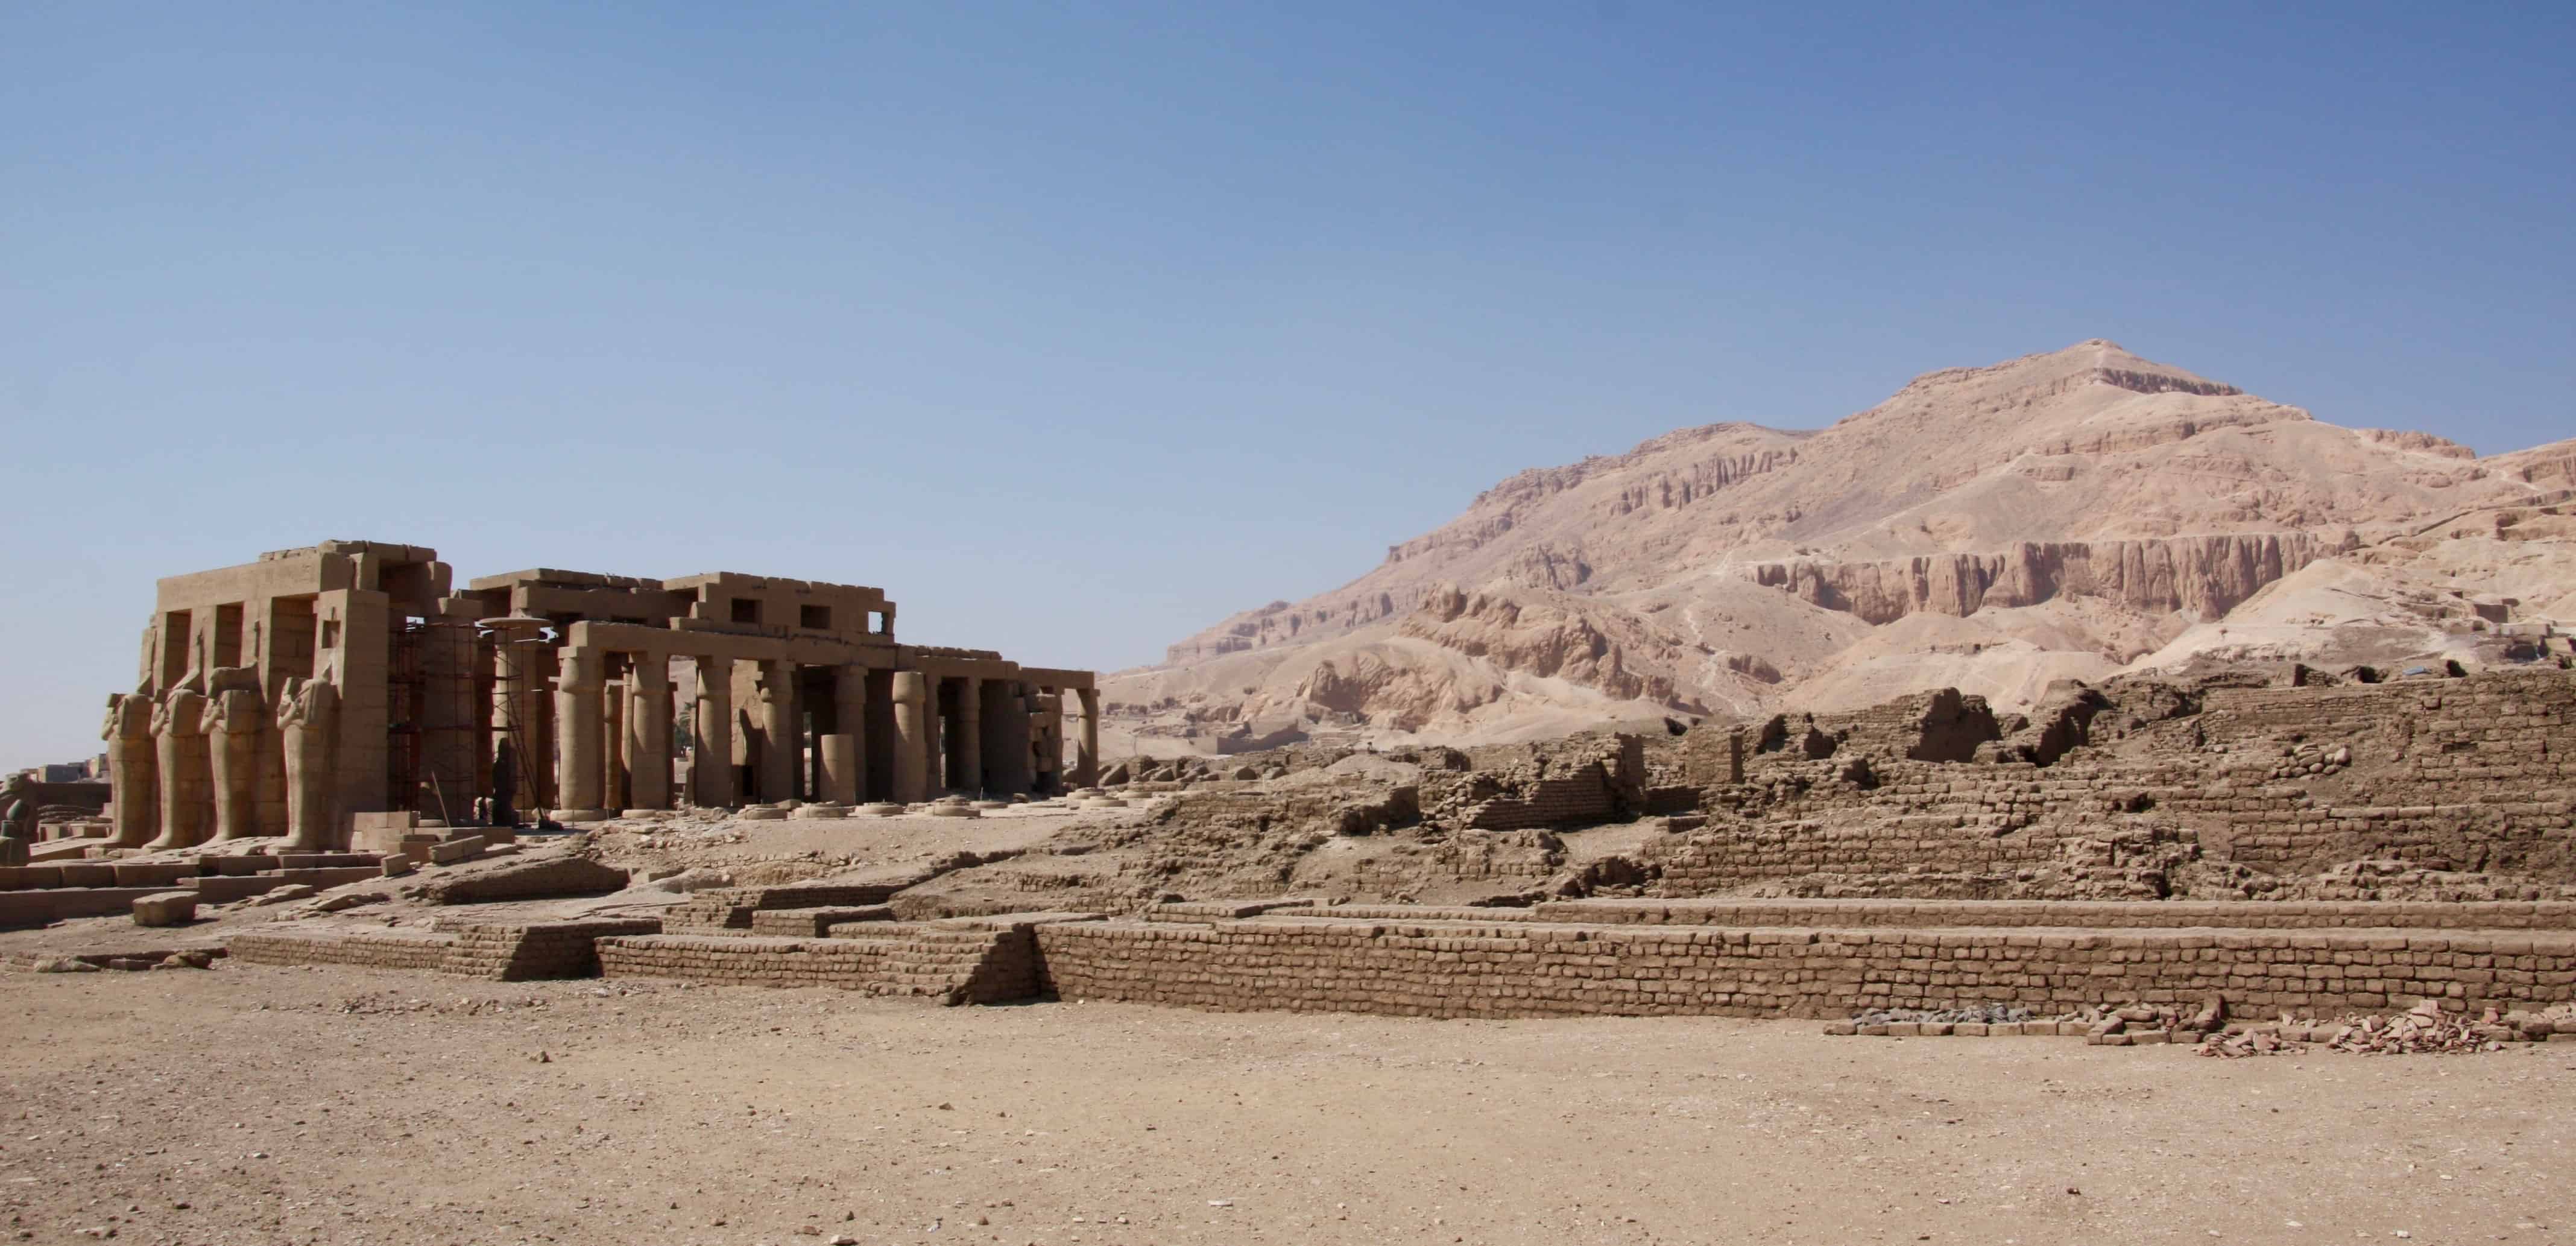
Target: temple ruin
(286,696)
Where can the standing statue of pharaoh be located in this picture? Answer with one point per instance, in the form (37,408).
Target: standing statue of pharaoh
(133,771)
(307,711)
(187,797)
(17,819)
(233,720)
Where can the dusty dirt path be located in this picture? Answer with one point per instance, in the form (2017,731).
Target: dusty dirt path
(272,1105)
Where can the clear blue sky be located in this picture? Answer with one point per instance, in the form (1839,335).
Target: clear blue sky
(1077,327)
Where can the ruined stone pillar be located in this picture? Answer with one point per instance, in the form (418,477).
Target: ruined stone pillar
(1006,737)
(613,704)
(1086,755)
(233,722)
(648,732)
(580,765)
(187,797)
(133,769)
(782,747)
(844,765)
(966,738)
(711,761)
(308,719)
(513,714)
(1046,752)
(912,731)
(838,754)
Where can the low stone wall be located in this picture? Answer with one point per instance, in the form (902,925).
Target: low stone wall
(2079,914)
(813,923)
(732,908)
(527,952)
(959,960)
(502,952)
(379,949)
(1538,970)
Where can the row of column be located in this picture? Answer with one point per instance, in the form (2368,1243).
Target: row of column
(603,730)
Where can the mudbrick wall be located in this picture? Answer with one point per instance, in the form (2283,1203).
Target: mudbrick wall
(1531,970)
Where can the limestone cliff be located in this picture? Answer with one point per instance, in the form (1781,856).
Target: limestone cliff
(2062,514)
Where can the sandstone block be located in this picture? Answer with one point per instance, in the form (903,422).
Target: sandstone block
(171,908)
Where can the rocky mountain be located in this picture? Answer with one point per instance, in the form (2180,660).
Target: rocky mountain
(2064,514)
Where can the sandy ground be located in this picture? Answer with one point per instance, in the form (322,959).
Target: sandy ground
(270,1105)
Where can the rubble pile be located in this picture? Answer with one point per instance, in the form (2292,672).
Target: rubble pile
(2423,1029)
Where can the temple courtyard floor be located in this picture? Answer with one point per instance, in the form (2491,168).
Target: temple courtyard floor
(329,1105)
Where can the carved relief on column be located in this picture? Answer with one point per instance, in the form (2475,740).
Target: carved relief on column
(782,750)
(648,732)
(966,738)
(233,721)
(711,784)
(911,729)
(1086,756)
(187,798)
(1046,751)
(579,758)
(133,769)
(308,720)
(844,762)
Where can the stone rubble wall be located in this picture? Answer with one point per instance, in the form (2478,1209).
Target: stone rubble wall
(1578,781)
(1534,970)
(2472,774)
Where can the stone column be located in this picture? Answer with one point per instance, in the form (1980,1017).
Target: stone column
(1006,737)
(580,767)
(1046,732)
(1086,755)
(133,769)
(233,722)
(912,730)
(782,748)
(648,732)
(514,713)
(966,738)
(187,799)
(613,704)
(711,763)
(844,764)
(308,716)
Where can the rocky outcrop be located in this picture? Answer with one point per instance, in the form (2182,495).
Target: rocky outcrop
(2207,576)
(1549,643)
